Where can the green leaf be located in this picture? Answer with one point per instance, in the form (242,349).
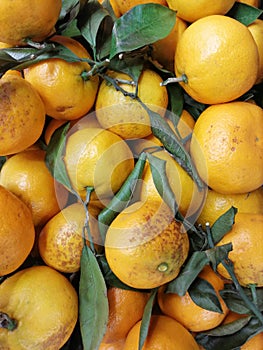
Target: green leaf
(230,328)
(2,161)
(142,25)
(68,13)
(204,295)
(188,274)
(54,156)
(231,341)
(223,224)
(93,302)
(162,130)
(89,23)
(128,64)
(146,318)
(122,198)
(244,13)
(176,100)
(161,182)
(218,254)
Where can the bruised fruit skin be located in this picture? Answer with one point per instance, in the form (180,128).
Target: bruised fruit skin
(144,245)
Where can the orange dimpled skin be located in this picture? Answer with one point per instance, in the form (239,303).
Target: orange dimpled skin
(22,115)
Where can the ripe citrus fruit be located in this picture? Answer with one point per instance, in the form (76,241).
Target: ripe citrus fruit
(187,195)
(254,343)
(192,10)
(22,114)
(256,29)
(144,245)
(216,204)
(17,233)
(165,333)
(207,55)
(247,250)
(124,115)
(44,306)
(37,189)
(63,86)
(126,5)
(230,137)
(44,12)
(97,158)
(126,307)
(189,314)
(60,241)
(164,49)
(254,3)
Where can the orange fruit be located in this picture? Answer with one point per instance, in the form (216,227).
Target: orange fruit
(44,305)
(254,3)
(164,49)
(164,333)
(189,314)
(126,5)
(17,233)
(15,32)
(206,57)
(62,85)
(247,249)
(229,136)
(37,189)
(88,121)
(61,240)
(144,246)
(256,29)
(126,307)
(193,10)
(22,114)
(97,158)
(254,343)
(122,114)
(216,204)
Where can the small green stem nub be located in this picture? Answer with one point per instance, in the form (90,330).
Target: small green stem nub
(7,322)
(182,78)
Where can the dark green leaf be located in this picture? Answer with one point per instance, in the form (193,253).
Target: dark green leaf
(128,64)
(176,99)
(146,319)
(161,182)
(142,25)
(190,271)
(230,328)
(203,294)
(244,13)
(89,22)
(122,198)
(93,302)
(223,224)
(69,8)
(2,161)
(71,30)
(231,341)
(165,134)
(54,156)
(217,254)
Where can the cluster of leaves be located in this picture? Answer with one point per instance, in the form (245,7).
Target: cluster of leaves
(124,44)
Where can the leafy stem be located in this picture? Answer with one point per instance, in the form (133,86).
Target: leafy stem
(229,266)
(7,322)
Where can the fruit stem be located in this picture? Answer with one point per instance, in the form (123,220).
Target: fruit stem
(97,67)
(182,78)
(7,322)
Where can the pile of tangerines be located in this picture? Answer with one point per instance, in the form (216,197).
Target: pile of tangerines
(131,172)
